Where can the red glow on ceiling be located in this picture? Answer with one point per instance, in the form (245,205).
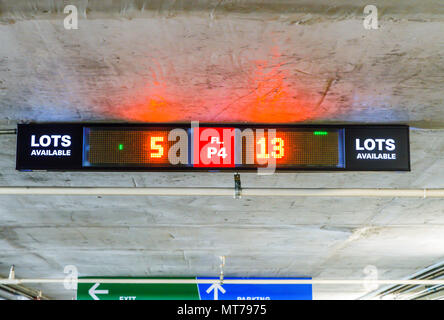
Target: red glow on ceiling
(267,90)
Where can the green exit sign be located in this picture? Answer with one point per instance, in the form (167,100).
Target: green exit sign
(138,291)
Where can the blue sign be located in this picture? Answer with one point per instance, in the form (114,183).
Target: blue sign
(216,291)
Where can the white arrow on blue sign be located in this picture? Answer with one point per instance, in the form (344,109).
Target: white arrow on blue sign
(217,291)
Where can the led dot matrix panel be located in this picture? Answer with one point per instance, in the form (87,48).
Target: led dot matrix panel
(126,147)
(295,147)
(249,148)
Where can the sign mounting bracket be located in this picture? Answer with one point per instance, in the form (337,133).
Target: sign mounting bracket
(237,186)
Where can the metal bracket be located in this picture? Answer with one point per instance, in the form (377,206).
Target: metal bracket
(11,273)
(237,186)
(222,265)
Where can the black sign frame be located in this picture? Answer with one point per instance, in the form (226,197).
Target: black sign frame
(351,131)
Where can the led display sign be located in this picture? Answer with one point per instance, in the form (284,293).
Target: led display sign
(204,147)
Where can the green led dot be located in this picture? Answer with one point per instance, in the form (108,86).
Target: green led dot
(120,146)
(320,133)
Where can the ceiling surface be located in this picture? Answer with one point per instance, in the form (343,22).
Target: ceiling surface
(224,61)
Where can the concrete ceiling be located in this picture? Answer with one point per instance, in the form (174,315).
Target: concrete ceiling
(247,60)
(237,61)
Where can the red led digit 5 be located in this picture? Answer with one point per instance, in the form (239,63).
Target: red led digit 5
(157,148)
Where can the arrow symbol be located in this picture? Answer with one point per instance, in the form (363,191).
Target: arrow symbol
(92,292)
(216,287)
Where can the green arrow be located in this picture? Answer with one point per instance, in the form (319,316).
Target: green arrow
(93,292)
